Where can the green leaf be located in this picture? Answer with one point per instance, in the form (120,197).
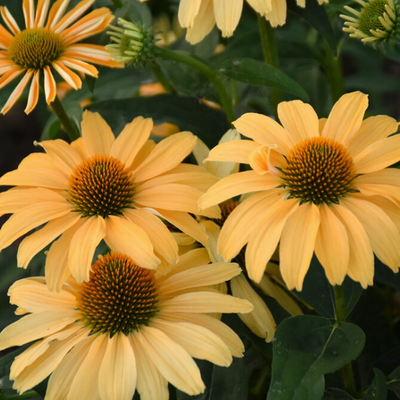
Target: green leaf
(393,382)
(259,73)
(336,394)
(378,388)
(305,349)
(136,12)
(317,17)
(318,292)
(185,112)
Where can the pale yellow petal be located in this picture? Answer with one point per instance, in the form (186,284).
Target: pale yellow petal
(117,374)
(85,385)
(188,9)
(390,208)
(83,245)
(131,140)
(378,155)
(237,151)
(299,119)
(171,360)
(382,232)
(261,6)
(236,184)
(361,261)
(332,246)
(264,130)
(203,23)
(390,192)
(372,130)
(297,244)
(227,15)
(346,117)
(36,326)
(34,243)
(124,236)
(198,341)
(277,15)
(159,235)
(166,155)
(150,383)
(29,218)
(206,302)
(97,134)
(260,320)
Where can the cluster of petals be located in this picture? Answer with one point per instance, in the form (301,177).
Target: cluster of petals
(74,55)
(86,366)
(163,187)
(344,235)
(200,16)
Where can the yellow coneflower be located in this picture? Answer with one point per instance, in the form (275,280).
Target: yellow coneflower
(102,187)
(126,329)
(320,185)
(52,44)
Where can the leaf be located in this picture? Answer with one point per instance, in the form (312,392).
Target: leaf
(256,72)
(317,17)
(336,394)
(136,12)
(189,114)
(378,388)
(307,347)
(318,292)
(393,382)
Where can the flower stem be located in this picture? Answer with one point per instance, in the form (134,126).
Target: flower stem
(212,75)
(155,68)
(270,52)
(27,395)
(69,127)
(334,73)
(340,311)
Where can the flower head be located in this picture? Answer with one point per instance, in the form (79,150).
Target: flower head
(318,186)
(102,187)
(134,43)
(49,45)
(126,329)
(200,16)
(375,22)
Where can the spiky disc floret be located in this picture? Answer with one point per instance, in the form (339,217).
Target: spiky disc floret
(119,297)
(318,170)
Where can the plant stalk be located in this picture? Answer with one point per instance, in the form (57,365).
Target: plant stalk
(68,126)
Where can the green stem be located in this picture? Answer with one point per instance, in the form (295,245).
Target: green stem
(340,310)
(212,75)
(334,73)
(68,126)
(27,395)
(270,52)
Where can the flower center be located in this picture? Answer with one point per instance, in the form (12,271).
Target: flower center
(318,170)
(119,297)
(35,48)
(370,17)
(100,186)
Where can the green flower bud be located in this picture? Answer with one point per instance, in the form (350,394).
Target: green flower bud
(133,43)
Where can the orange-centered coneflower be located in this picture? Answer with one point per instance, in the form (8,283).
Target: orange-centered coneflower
(126,329)
(50,41)
(101,187)
(320,186)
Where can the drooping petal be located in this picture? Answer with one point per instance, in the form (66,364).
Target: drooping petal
(83,246)
(33,93)
(297,244)
(124,236)
(332,246)
(17,92)
(171,360)
(70,77)
(188,9)
(117,374)
(203,23)
(227,14)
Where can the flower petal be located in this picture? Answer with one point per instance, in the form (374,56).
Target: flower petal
(227,15)
(17,92)
(297,244)
(33,93)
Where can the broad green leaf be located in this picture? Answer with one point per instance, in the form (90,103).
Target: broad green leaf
(305,349)
(256,72)
(318,292)
(317,17)
(189,114)
(336,394)
(393,382)
(378,388)
(135,11)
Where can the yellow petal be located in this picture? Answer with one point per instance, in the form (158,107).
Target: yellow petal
(117,374)
(83,245)
(346,117)
(237,151)
(97,134)
(203,23)
(188,9)
(227,15)
(297,244)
